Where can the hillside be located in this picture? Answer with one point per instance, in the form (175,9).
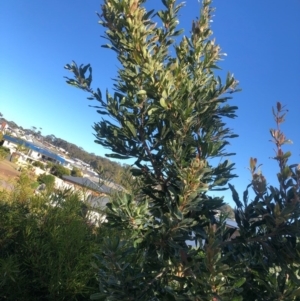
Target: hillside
(109,169)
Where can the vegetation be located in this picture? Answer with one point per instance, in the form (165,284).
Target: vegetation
(4,152)
(22,148)
(112,169)
(39,164)
(46,250)
(168,114)
(76,172)
(48,180)
(59,171)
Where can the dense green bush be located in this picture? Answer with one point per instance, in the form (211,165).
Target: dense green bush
(4,152)
(39,164)
(59,170)
(46,250)
(76,172)
(24,186)
(49,165)
(48,180)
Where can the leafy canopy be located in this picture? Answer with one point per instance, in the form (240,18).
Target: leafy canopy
(167,113)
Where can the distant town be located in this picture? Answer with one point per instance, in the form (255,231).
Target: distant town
(27,148)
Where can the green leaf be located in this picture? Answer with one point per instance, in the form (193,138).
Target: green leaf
(163,103)
(136,172)
(131,127)
(237,298)
(141,92)
(98,296)
(240,282)
(287,154)
(117,156)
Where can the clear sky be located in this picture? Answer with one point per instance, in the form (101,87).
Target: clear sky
(261,38)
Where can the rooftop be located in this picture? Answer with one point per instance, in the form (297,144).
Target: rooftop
(86,182)
(36,147)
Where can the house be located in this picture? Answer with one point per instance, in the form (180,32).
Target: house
(92,187)
(97,205)
(35,152)
(94,194)
(69,163)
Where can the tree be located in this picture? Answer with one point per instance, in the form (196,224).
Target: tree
(168,114)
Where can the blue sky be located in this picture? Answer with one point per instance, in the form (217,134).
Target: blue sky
(261,38)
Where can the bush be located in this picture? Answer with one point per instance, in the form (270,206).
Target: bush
(4,152)
(46,251)
(59,171)
(39,164)
(24,186)
(48,180)
(49,165)
(76,172)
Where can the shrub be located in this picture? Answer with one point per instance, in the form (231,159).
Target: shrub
(49,165)
(76,172)
(48,180)
(4,152)
(46,251)
(59,171)
(39,164)
(24,186)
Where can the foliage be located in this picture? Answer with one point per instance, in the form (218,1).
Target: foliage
(168,114)
(39,164)
(48,180)
(46,250)
(269,227)
(59,170)
(24,186)
(4,152)
(128,181)
(76,172)
(22,149)
(49,165)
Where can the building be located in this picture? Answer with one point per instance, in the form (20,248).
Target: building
(92,187)
(94,194)
(35,152)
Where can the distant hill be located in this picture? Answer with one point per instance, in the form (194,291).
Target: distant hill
(112,170)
